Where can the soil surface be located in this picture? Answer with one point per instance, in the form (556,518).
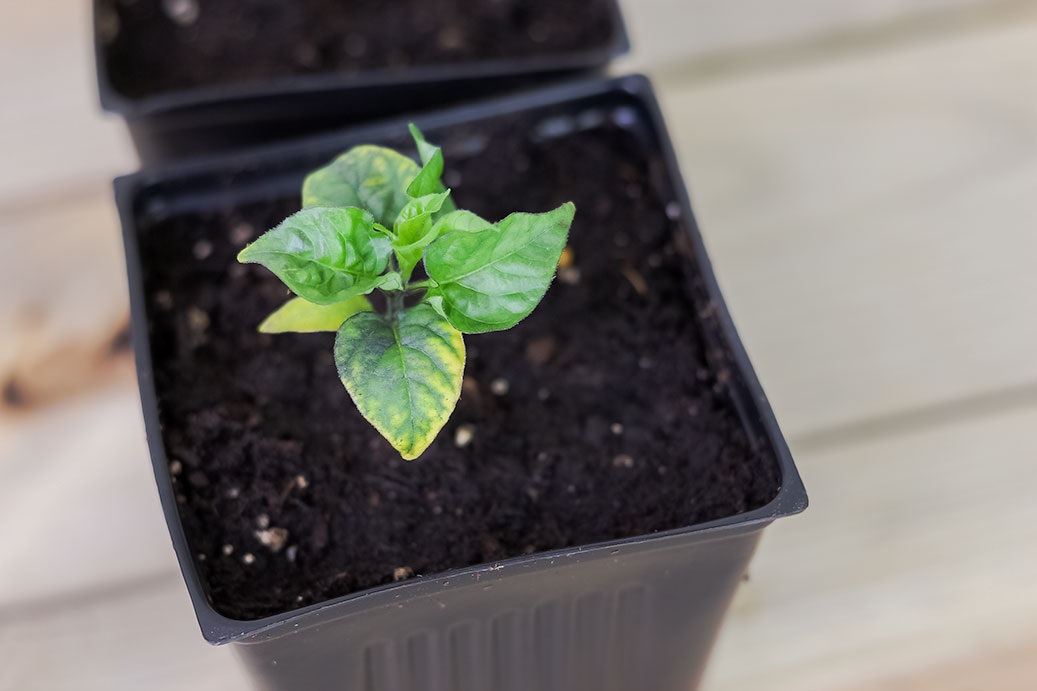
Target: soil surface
(596,418)
(154,46)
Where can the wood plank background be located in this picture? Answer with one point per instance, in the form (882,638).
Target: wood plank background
(864,173)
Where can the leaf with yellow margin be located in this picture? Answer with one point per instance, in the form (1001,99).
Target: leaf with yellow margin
(403,372)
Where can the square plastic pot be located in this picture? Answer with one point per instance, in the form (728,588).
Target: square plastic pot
(191,122)
(628,615)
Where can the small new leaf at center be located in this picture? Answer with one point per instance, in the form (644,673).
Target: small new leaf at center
(413,230)
(403,372)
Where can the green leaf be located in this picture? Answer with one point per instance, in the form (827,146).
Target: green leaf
(390,281)
(368,177)
(416,218)
(324,255)
(412,230)
(491,279)
(461,221)
(299,316)
(410,254)
(426,151)
(403,372)
(428,180)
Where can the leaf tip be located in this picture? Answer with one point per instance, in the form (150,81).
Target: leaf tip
(412,455)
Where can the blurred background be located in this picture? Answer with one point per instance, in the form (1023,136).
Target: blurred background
(865,176)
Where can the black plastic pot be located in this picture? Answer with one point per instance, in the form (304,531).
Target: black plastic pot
(632,614)
(183,123)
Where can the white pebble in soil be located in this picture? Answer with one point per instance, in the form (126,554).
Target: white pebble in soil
(197,319)
(616,428)
(499,386)
(463,436)
(202,249)
(248,558)
(228,550)
(183,12)
(242,233)
(263,521)
(402,573)
(623,461)
(273,539)
(450,38)
(570,275)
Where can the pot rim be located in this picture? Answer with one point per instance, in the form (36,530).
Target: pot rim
(111,100)
(791,497)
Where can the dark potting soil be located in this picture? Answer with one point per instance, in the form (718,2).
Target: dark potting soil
(154,46)
(596,418)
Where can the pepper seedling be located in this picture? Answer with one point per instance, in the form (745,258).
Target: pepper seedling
(368,220)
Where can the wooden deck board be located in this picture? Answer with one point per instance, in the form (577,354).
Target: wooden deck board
(78,506)
(667,34)
(916,552)
(52,132)
(871,222)
(870,215)
(909,560)
(144,638)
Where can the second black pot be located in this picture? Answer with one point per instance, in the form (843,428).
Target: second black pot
(622,615)
(187,122)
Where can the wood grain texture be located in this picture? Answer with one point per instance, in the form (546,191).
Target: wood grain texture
(667,34)
(78,506)
(144,638)
(1013,667)
(911,558)
(870,213)
(52,132)
(917,552)
(871,222)
(67,309)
